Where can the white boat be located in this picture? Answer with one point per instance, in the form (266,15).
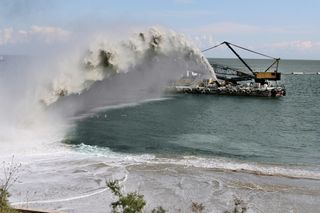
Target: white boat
(297,73)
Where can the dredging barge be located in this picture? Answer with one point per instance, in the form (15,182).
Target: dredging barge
(233,81)
(232,90)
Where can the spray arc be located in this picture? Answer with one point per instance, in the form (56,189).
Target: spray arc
(107,59)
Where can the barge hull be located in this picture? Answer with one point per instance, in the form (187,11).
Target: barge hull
(258,92)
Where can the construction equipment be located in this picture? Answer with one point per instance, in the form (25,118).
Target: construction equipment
(229,78)
(235,74)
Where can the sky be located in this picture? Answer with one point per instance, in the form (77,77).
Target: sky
(285,29)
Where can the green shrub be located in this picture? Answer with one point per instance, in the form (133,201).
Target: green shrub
(239,206)
(129,203)
(10,171)
(197,207)
(158,210)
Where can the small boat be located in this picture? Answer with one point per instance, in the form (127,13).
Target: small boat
(297,73)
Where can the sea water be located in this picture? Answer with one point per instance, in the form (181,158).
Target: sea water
(266,130)
(187,148)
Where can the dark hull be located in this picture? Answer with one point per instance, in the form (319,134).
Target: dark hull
(232,91)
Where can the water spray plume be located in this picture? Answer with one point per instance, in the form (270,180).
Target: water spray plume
(106,59)
(110,72)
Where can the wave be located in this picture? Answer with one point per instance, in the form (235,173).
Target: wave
(107,58)
(215,164)
(249,167)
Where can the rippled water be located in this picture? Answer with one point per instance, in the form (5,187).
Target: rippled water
(269,130)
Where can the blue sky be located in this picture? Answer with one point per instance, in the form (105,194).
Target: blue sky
(286,29)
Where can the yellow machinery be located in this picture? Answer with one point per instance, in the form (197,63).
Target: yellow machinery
(239,75)
(273,76)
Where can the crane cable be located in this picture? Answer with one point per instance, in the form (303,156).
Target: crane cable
(212,47)
(240,48)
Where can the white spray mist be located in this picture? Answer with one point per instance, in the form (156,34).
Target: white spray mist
(110,72)
(107,58)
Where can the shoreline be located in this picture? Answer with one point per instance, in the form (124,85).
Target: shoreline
(64,185)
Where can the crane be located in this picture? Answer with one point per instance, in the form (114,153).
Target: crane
(235,74)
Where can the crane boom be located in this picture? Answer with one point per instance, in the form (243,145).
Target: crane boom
(257,76)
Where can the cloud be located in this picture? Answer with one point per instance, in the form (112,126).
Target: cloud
(186,14)
(204,41)
(297,45)
(286,41)
(208,35)
(47,34)
(6,35)
(45,29)
(238,28)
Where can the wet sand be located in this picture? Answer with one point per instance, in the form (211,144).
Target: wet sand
(77,184)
